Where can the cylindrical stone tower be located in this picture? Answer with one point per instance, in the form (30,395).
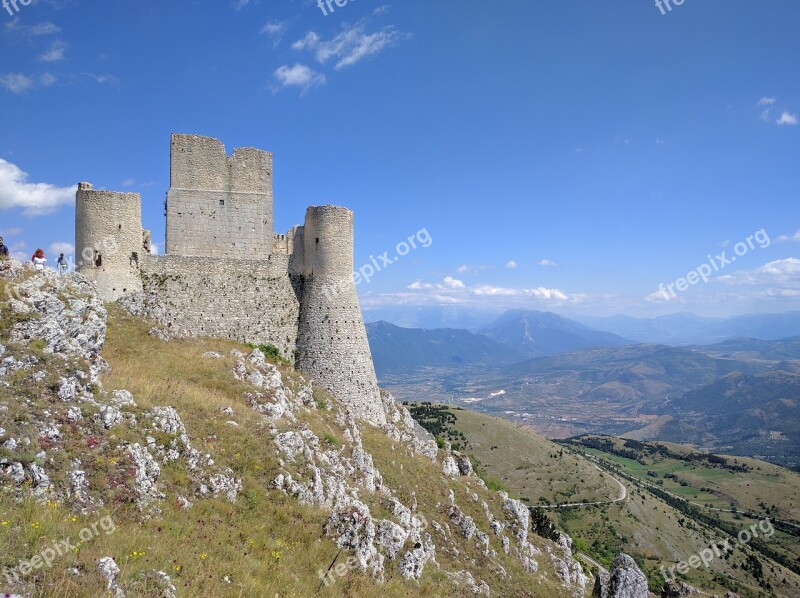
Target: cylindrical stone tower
(109,241)
(332,343)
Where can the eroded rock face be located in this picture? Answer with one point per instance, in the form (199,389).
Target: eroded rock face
(677,588)
(70,318)
(624,580)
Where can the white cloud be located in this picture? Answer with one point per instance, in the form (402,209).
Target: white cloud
(44,28)
(766,101)
(462,269)
(350,46)
(128,182)
(240,4)
(16,82)
(788,119)
(785,272)
(275,30)
(154,248)
(789,238)
(47,79)
(537,293)
(299,75)
(781,293)
(418,285)
(547,263)
(453,283)
(35,198)
(103,79)
(511,264)
(55,53)
(61,247)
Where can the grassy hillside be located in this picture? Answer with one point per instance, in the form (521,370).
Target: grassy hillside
(261,544)
(533,468)
(644,525)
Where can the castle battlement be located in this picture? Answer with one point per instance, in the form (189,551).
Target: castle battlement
(226,273)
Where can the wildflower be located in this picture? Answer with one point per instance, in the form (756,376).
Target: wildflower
(203,556)
(6,522)
(35,525)
(177,567)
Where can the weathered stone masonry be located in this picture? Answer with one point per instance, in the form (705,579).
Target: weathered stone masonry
(226,273)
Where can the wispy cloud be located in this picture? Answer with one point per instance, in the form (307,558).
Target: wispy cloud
(537,293)
(298,75)
(61,247)
(789,238)
(15,27)
(275,30)
(350,46)
(240,4)
(35,198)
(102,79)
(16,82)
(786,118)
(766,101)
(458,290)
(55,53)
(511,264)
(547,263)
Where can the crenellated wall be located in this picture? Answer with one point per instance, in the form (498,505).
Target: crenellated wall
(219,205)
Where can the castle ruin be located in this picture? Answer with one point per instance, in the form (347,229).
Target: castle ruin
(226,273)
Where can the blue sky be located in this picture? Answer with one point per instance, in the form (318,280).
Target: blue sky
(566,156)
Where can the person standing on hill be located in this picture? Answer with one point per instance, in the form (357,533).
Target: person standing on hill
(61,265)
(3,250)
(39,260)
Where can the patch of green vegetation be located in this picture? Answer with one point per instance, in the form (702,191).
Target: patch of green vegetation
(271,352)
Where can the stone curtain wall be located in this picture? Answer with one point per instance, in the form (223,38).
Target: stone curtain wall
(217,205)
(332,344)
(245,300)
(108,225)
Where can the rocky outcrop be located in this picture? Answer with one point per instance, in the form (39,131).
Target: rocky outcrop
(624,580)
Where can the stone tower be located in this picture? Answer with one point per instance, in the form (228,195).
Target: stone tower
(109,240)
(218,205)
(332,342)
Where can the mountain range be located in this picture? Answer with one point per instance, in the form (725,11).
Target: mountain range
(681,328)
(564,378)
